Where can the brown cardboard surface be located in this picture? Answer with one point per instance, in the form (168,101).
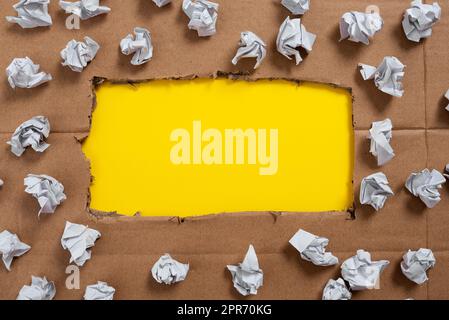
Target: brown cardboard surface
(437,74)
(130,245)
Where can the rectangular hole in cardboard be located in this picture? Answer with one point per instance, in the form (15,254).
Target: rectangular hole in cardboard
(194,147)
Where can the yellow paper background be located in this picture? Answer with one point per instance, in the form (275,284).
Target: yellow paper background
(129,147)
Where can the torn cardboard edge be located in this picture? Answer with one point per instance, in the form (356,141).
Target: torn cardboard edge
(114,216)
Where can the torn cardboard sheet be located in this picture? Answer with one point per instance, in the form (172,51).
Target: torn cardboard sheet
(40,289)
(78,54)
(336,290)
(374,190)
(247,276)
(203,16)
(11,247)
(31,14)
(48,191)
(387,76)
(32,133)
(419,20)
(425,185)
(296,6)
(258,226)
(293,35)
(415,264)
(85,9)
(361,272)
(169,271)
(23,73)
(360,26)
(99,291)
(447,97)
(161,3)
(139,44)
(313,248)
(77,238)
(380,135)
(251,46)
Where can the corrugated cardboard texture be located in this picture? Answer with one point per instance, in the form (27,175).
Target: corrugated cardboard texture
(129,246)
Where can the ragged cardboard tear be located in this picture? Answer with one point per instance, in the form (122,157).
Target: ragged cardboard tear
(174,156)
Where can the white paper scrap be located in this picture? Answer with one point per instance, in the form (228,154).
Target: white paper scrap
(78,54)
(169,271)
(447,97)
(374,190)
(251,46)
(32,133)
(85,9)
(361,273)
(31,14)
(360,26)
(425,185)
(11,247)
(336,290)
(48,191)
(78,238)
(296,6)
(99,291)
(40,289)
(380,135)
(387,76)
(1,183)
(247,276)
(161,3)
(23,73)
(292,35)
(140,45)
(203,16)
(415,264)
(313,248)
(419,20)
